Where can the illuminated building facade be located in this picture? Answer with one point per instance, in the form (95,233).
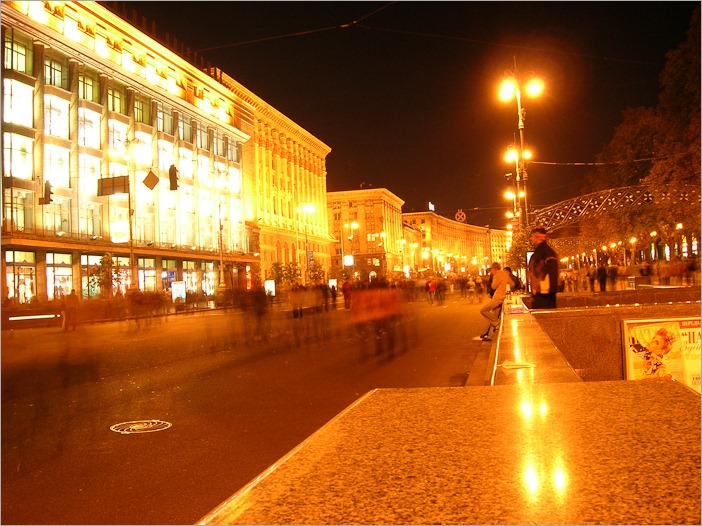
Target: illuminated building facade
(114,144)
(368,225)
(451,247)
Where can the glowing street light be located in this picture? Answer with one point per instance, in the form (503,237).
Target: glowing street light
(353,226)
(511,89)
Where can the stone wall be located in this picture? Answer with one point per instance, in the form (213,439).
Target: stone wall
(590,338)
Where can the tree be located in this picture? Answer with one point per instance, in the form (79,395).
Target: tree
(516,257)
(104,277)
(658,147)
(278,273)
(315,272)
(678,164)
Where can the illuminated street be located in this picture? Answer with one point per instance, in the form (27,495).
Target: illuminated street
(234,409)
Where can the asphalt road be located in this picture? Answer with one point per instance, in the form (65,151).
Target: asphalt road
(236,404)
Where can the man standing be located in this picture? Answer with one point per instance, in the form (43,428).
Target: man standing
(491,310)
(72,304)
(543,271)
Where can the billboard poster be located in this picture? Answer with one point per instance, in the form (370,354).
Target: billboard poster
(662,349)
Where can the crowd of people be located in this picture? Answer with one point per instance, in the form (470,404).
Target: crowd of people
(376,306)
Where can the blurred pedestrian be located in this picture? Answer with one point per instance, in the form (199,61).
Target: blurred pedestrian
(346,289)
(332,291)
(602,277)
(72,304)
(259,304)
(592,276)
(471,288)
(430,289)
(479,288)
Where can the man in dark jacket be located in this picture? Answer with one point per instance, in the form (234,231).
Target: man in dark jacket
(543,271)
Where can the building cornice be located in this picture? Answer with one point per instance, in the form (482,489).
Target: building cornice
(365,193)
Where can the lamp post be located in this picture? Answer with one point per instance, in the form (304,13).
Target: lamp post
(129,145)
(342,247)
(511,89)
(402,243)
(221,285)
(306,209)
(353,226)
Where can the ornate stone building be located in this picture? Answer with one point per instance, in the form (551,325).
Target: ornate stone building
(449,246)
(117,141)
(384,242)
(368,225)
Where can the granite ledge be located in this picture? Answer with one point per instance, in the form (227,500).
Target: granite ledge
(566,453)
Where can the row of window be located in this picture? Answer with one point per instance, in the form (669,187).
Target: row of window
(18,103)
(21,282)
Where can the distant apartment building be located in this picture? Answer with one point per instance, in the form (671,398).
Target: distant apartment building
(378,240)
(116,146)
(367,224)
(451,247)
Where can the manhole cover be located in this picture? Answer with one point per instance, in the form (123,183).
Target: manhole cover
(140,426)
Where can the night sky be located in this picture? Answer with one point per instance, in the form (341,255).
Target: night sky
(407,96)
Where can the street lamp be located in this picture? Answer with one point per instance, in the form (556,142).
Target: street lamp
(129,145)
(354,226)
(306,209)
(511,88)
(402,242)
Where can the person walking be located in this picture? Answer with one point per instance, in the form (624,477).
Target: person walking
(491,310)
(430,289)
(592,276)
(471,288)
(602,277)
(332,291)
(346,290)
(479,288)
(543,271)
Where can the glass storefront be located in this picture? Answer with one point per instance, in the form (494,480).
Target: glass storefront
(20,276)
(169,273)
(147,274)
(59,275)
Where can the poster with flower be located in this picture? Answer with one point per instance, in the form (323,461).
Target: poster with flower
(662,349)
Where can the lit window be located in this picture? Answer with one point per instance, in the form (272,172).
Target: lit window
(164,119)
(56,167)
(165,154)
(218,143)
(89,86)
(233,151)
(185,128)
(18,103)
(88,174)
(88,128)
(185,163)
(56,116)
(116,136)
(56,73)
(203,170)
(234,180)
(116,99)
(17,156)
(19,54)
(142,109)
(203,138)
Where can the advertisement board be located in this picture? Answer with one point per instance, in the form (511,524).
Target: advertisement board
(662,348)
(178,291)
